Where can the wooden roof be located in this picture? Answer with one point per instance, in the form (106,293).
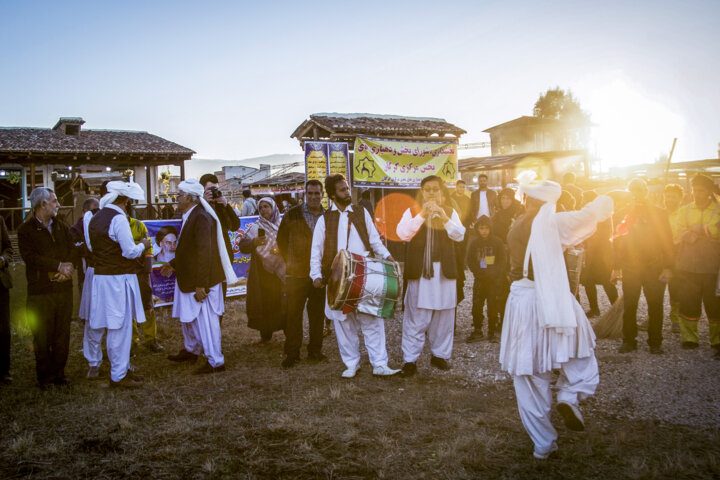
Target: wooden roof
(18,144)
(498,162)
(342,126)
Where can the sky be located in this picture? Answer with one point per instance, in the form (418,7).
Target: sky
(232,80)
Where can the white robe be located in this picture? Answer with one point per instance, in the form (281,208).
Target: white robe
(348,327)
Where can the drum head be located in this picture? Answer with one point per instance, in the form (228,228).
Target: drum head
(338,282)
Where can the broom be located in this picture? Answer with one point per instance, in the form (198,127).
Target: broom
(610,323)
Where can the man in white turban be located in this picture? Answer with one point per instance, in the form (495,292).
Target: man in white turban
(115,293)
(201,264)
(544,326)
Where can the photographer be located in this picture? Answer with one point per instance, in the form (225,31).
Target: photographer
(229,221)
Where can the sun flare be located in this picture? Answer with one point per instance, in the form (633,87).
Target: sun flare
(630,128)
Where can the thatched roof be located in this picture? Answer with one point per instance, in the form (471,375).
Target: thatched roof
(348,125)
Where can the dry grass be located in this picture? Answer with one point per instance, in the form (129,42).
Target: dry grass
(258,421)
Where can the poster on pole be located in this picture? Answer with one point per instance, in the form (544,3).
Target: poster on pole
(338,158)
(316,161)
(164,236)
(402,163)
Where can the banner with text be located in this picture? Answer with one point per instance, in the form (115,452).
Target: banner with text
(326,158)
(402,163)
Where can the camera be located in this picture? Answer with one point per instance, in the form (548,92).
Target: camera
(216,193)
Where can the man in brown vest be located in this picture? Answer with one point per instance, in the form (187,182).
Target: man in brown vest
(346,226)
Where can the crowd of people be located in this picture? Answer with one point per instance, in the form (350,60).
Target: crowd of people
(522,291)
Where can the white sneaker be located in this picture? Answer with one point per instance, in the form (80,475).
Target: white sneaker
(571,416)
(543,456)
(93,372)
(384,371)
(350,372)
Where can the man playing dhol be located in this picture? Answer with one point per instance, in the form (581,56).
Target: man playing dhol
(349,227)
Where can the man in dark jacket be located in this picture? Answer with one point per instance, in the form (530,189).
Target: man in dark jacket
(294,241)
(47,249)
(200,271)
(6,253)
(644,254)
(483,201)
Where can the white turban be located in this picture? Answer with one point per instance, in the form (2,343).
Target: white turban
(193,187)
(553,297)
(544,190)
(126,189)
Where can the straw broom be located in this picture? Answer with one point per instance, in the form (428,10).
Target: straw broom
(610,323)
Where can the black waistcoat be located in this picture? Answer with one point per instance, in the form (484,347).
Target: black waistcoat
(444,248)
(332,218)
(107,254)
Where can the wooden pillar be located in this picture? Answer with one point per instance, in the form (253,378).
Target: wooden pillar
(182,171)
(32,177)
(148,186)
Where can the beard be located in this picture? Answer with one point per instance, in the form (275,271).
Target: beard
(343,202)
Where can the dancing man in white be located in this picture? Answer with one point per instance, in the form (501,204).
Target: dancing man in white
(544,327)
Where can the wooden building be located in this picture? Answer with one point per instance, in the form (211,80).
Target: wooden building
(54,157)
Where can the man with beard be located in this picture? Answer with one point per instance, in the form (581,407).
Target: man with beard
(294,241)
(46,247)
(115,298)
(349,227)
(483,201)
(201,264)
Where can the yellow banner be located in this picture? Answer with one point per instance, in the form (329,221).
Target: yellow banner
(402,163)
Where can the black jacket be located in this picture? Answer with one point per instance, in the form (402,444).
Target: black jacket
(472,213)
(648,242)
(197,258)
(294,240)
(43,253)
(487,248)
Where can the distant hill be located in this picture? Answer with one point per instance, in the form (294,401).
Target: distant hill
(198,166)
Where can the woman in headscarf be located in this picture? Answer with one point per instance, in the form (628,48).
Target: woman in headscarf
(545,328)
(266,278)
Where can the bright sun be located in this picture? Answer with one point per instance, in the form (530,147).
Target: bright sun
(629,127)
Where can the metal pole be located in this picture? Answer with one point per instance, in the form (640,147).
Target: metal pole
(667,168)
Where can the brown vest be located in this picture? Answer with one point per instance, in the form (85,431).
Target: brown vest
(332,219)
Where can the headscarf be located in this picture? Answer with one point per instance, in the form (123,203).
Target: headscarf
(117,188)
(193,187)
(553,296)
(272,262)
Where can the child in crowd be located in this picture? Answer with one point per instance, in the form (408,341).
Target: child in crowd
(486,259)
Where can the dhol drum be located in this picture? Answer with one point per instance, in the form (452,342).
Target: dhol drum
(368,285)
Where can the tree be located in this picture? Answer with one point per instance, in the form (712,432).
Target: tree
(560,105)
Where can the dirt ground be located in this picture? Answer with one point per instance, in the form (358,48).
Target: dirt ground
(257,420)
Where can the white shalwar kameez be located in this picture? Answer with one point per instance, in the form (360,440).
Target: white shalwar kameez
(542,331)
(348,327)
(91,340)
(429,302)
(115,300)
(200,320)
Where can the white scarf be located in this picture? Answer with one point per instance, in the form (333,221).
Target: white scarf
(554,299)
(192,186)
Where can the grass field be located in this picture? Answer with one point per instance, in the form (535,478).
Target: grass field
(258,421)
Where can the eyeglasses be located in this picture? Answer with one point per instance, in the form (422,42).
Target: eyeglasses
(431,190)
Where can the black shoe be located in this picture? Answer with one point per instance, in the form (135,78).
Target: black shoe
(627,348)
(61,382)
(183,356)
(408,370)
(154,346)
(209,369)
(475,336)
(129,381)
(656,350)
(571,416)
(316,357)
(289,362)
(439,363)
(689,345)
